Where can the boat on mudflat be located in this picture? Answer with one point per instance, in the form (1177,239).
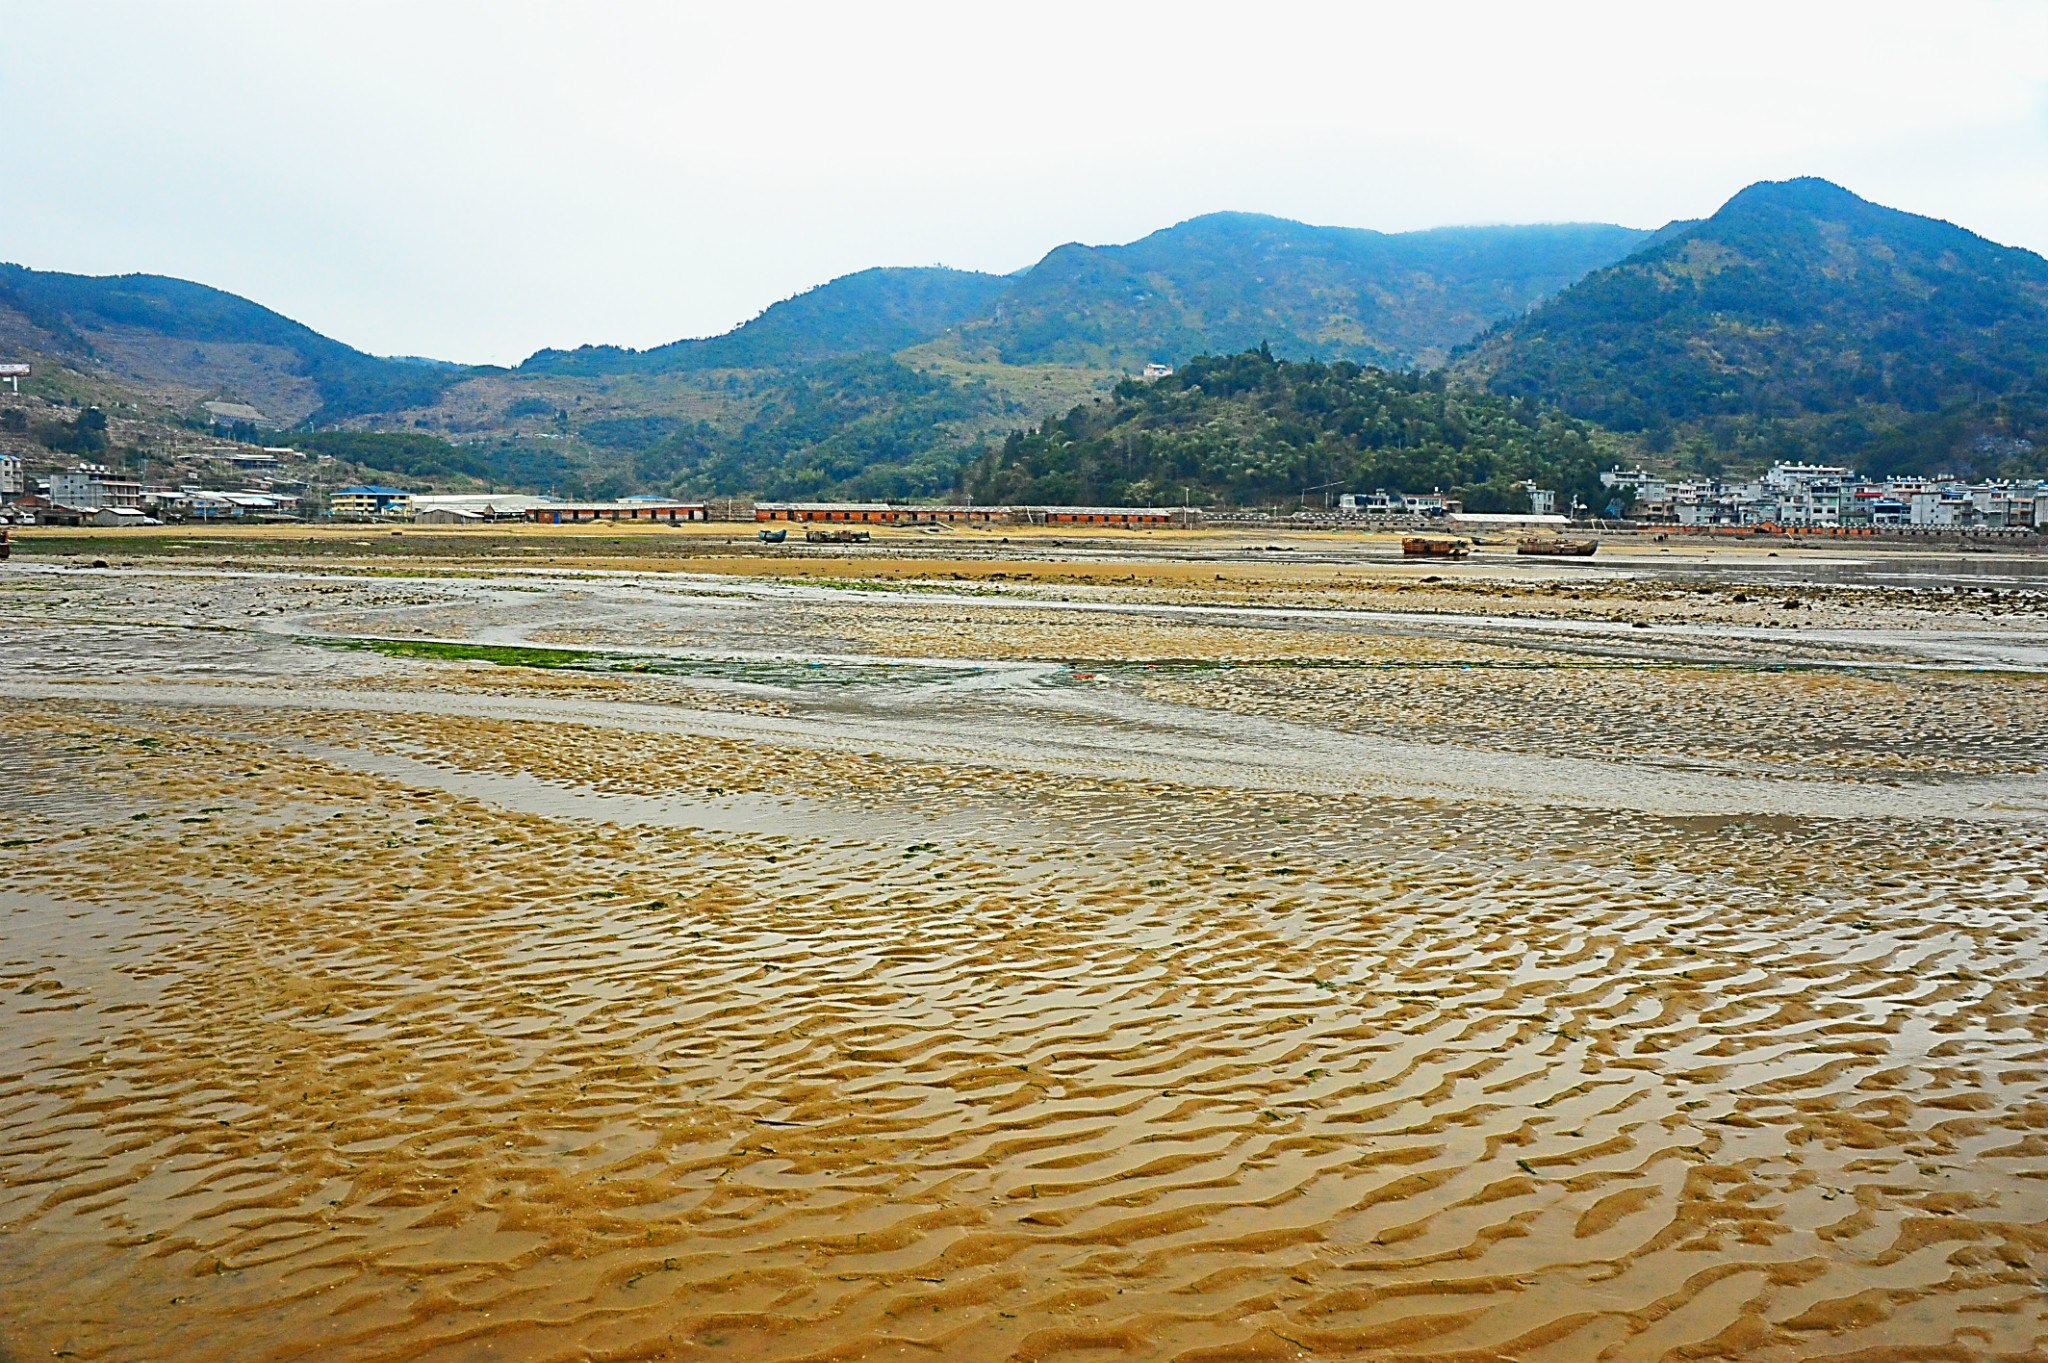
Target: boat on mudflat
(1556,546)
(1436,546)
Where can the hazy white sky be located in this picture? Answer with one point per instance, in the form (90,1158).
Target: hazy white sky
(475,181)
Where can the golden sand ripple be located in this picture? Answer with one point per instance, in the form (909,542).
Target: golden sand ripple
(407,1031)
(1963,723)
(304,1060)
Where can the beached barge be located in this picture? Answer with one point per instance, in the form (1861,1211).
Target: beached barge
(1436,546)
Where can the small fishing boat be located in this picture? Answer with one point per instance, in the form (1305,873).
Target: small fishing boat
(836,536)
(774,536)
(1436,546)
(1557,546)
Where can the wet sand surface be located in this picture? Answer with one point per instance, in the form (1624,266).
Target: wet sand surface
(1077,957)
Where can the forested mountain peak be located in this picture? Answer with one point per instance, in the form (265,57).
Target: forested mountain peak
(1252,429)
(159,329)
(881,309)
(1800,320)
(1227,281)
(1212,284)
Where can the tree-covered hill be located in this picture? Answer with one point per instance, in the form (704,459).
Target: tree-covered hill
(157,329)
(862,426)
(882,309)
(1798,321)
(1206,286)
(873,384)
(1227,281)
(1252,430)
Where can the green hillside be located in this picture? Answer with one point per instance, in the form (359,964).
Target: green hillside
(1206,286)
(874,310)
(1252,430)
(153,328)
(865,426)
(1229,281)
(1799,321)
(874,384)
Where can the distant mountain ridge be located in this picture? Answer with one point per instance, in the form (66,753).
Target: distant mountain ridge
(1798,321)
(288,369)
(1217,283)
(882,309)
(1211,285)
(1227,282)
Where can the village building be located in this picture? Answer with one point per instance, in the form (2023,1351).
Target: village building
(631,509)
(475,508)
(1832,499)
(1127,517)
(889,513)
(370,501)
(89,487)
(1384,503)
(880,513)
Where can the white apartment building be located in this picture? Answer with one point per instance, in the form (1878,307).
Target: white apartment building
(91,489)
(11,478)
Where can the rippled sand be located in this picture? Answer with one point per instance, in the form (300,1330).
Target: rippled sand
(372,1008)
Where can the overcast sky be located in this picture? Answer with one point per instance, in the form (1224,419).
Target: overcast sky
(476,181)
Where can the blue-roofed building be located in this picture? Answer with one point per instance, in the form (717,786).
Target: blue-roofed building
(370,501)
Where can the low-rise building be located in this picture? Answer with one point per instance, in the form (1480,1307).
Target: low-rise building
(1129,517)
(12,483)
(863,513)
(1381,502)
(1826,497)
(1507,520)
(882,513)
(370,501)
(90,488)
(475,508)
(570,513)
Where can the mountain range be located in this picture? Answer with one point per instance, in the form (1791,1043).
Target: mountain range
(154,330)
(1211,285)
(1798,321)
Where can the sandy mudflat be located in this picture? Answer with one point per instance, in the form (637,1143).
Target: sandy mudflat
(1071,952)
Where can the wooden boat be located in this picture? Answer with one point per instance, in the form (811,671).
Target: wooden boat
(836,536)
(1556,546)
(774,536)
(5,547)
(1436,546)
